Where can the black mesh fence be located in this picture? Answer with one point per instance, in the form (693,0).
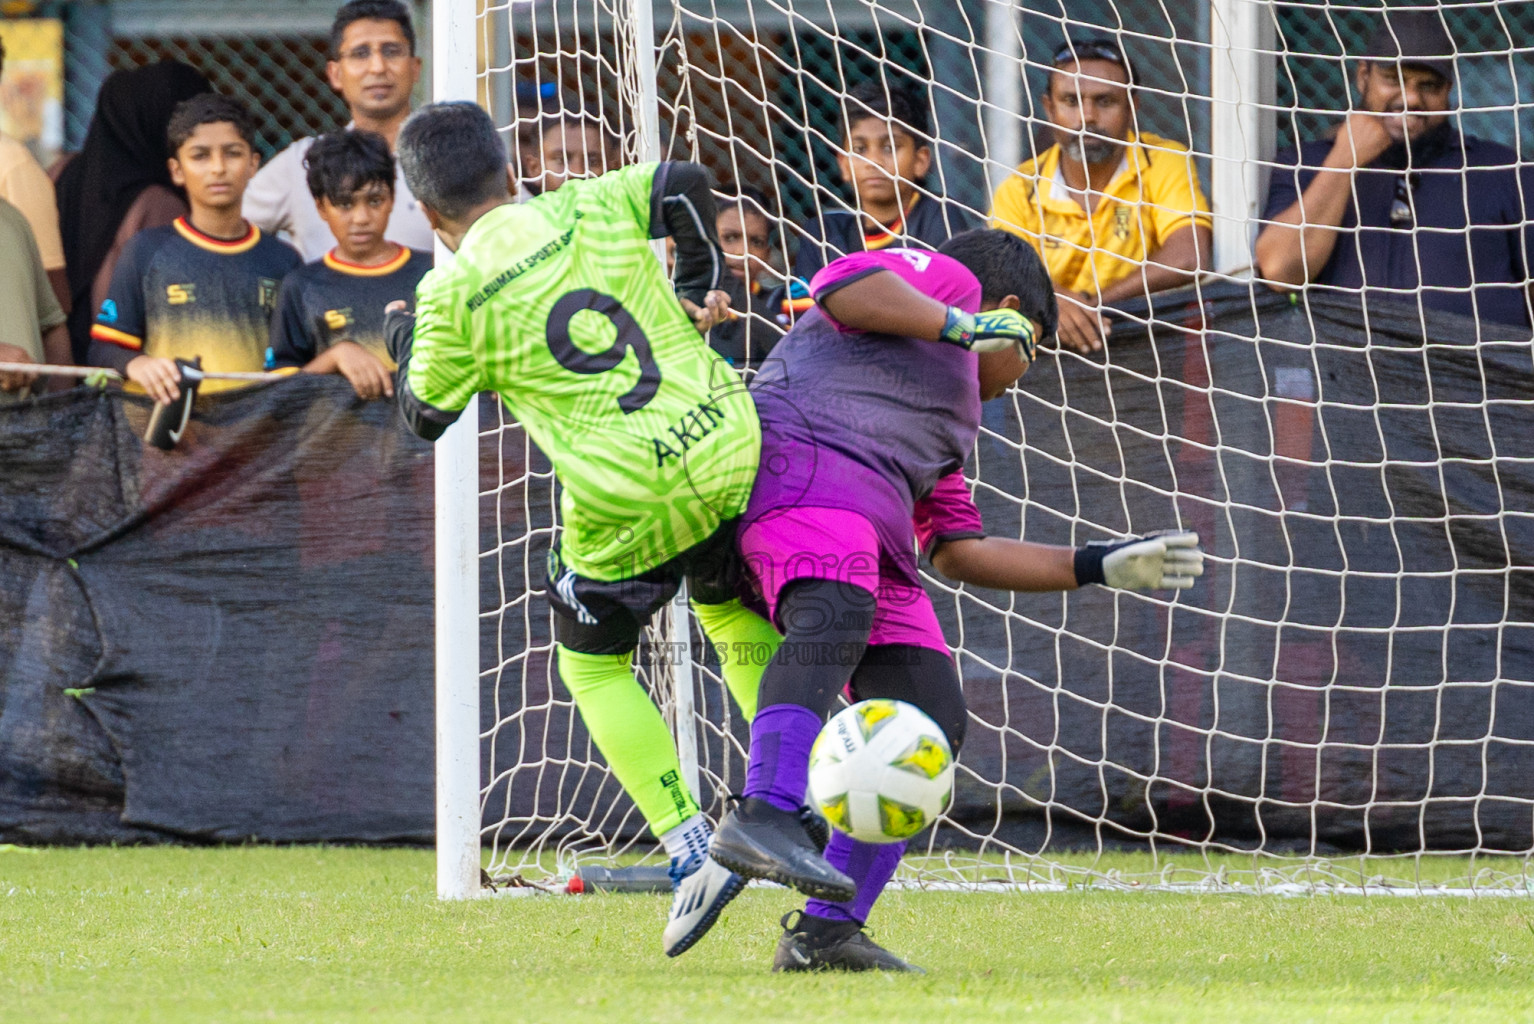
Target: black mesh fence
(225,641)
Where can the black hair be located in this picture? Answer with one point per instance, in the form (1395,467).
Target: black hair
(1007,265)
(340,163)
(453,157)
(897,103)
(370,10)
(208,108)
(750,199)
(582,119)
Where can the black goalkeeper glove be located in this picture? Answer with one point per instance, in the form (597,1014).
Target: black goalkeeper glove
(399,334)
(995,330)
(1171,560)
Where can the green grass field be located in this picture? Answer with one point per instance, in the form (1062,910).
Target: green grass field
(261,934)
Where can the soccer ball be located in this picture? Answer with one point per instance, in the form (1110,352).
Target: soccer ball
(881,771)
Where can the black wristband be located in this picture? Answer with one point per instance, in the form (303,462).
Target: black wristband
(1089,563)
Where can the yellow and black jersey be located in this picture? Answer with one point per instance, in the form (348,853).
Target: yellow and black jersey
(178,293)
(331,301)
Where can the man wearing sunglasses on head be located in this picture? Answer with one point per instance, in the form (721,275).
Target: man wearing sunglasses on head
(1116,213)
(373,65)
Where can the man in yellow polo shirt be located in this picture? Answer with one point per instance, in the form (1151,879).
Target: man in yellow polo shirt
(1115,213)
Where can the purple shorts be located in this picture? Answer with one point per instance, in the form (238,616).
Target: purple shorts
(835,544)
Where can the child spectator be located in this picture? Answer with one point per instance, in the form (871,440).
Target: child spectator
(206,284)
(746,236)
(570,145)
(885,156)
(330,313)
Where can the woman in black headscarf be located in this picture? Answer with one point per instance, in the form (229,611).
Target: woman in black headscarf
(119,183)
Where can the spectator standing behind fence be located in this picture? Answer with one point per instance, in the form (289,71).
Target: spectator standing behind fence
(33,319)
(884,159)
(26,186)
(207,284)
(1400,204)
(374,67)
(571,144)
(330,313)
(119,183)
(1116,213)
(746,237)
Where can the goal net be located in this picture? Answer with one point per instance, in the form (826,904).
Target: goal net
(1347,697)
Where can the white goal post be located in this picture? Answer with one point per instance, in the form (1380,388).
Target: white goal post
(455,39)
(1345,703)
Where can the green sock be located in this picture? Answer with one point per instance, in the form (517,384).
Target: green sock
(628,729)
(746,643)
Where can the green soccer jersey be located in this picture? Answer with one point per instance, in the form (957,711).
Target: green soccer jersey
(560,306)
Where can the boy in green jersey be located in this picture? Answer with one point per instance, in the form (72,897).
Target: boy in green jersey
(560,307)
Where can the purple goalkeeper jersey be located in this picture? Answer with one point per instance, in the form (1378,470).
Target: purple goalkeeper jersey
(868,422)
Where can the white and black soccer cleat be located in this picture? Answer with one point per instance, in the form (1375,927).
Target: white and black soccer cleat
(820,944)
(702,888)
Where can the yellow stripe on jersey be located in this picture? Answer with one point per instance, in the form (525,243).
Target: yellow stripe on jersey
(341,266)
(228,246)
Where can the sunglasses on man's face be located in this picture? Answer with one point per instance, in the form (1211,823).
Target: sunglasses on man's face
(1092,51)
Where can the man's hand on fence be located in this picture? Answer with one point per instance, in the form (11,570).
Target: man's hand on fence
(1082,328)
(15,380)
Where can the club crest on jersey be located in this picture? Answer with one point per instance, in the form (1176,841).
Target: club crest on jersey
(180,294)
(266,292)
(694,426)
(1121,222)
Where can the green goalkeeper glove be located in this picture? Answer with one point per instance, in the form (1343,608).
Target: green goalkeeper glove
(992,331)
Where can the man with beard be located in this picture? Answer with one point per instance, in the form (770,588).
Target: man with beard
(1116,213)
(1400,205)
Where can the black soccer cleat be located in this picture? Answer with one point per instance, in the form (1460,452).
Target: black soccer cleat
(816,827)
(821,944)
(756,840)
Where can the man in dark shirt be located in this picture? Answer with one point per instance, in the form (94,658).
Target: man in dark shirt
(1400,205)
(885,156)
(330,315)
(206,284)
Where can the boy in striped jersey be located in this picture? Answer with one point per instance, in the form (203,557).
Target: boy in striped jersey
(884,160)
(330,313)
(204,286)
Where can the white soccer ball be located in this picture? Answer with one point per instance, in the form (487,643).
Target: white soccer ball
(881,771)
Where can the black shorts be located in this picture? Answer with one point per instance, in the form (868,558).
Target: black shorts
(921,676)
(607,616)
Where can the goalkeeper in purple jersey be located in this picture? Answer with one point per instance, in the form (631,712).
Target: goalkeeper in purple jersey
(869,408)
